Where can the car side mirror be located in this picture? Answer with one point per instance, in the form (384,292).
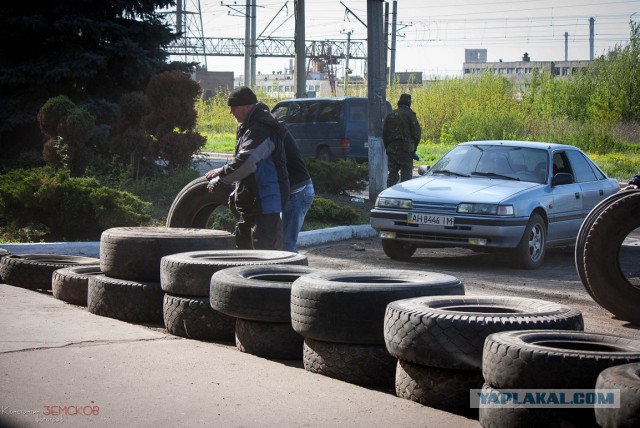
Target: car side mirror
(423,169)
(562,178)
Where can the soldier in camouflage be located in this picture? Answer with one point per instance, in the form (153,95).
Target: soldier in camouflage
(401,134)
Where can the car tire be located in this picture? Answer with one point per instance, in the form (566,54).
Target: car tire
(626,379)
(134,253)
(365,365)
(444,389)
(190,273)
(136,302)
(35,271)
(602,268)
(349,306)
(556,359)
(273,340)
(531,250)
(70,284)
(324,154)
(397,250)
(585,228)
(259,293)
(194,204)
(193,318)
(449,332)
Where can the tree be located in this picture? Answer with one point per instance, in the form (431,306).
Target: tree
(86,50)
(173,119)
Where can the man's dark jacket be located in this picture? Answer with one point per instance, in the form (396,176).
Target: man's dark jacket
(259,166)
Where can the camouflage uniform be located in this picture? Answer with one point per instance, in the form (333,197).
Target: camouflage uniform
(401,134)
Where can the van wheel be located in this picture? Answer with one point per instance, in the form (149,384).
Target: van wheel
(324,154)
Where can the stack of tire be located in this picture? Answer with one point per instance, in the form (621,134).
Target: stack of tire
(36,271)
(610,277)
(439,342)
(259,297)
(340,314)
(185,278)
(129,287)
(551,361)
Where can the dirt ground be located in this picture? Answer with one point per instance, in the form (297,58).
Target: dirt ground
(482,274)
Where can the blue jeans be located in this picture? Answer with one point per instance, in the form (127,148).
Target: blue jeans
(293,216)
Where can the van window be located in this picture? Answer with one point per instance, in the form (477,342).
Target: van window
(329,111)
(302,112)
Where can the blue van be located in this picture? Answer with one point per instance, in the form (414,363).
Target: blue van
(328,128)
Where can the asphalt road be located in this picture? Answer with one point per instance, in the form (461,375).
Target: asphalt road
(483,274)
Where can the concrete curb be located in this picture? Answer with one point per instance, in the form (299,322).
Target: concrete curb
(92,249)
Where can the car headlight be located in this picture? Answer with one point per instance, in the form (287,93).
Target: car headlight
(485,209)
(393,203)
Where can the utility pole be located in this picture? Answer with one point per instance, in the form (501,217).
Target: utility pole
(346,64)
(300,56)
(566,46)
(386,38)
(376,88)
(591,42)
(394,24)
(253,43)
(247,44)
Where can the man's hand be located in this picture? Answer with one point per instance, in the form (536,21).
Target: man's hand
(630,187)
(213,173)
(213,184)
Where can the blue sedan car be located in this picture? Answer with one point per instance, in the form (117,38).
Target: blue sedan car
(514,196)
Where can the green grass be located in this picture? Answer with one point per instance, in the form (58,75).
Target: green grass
(220,143)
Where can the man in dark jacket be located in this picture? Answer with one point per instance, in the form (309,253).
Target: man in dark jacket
(634,183)
(259,172)
(401,134)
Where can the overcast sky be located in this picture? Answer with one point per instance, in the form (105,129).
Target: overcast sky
(433,34)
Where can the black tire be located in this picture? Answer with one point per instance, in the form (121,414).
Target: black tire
(259,293)
(443,389)
(324,154)
(553,358)
(189,274)
(134,253)
(611,287)
(193,318)
(35,271)
(273,340)
(366,365)
(625,378)
(193,205)
(498,416)
(529,254)
(349,306)
(397,250)
(3,252)
(449,332)
(70,284)
(585,228)
(136,302)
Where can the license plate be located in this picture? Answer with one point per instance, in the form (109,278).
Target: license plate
(432,220)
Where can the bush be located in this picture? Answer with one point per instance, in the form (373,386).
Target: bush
(56,207)
(325,210)
(337,177)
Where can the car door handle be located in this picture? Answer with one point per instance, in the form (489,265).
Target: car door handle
(601,192)
(577,194)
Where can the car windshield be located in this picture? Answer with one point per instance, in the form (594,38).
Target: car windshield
(495,162)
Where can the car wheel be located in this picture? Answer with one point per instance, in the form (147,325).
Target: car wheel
(397,250)
(531,249)
(324,154)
